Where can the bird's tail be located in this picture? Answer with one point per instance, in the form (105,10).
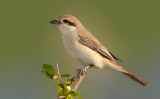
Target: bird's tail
(117,67)
(135,78)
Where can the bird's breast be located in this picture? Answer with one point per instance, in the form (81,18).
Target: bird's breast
(69,43)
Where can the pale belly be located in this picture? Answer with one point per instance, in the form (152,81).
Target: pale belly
(83,54)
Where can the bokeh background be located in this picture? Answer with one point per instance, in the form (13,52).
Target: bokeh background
(129,29)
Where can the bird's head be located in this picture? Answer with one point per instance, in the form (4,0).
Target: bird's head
(67,23)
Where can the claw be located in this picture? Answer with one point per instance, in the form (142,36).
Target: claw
(84,70)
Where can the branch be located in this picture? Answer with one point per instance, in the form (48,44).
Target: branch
(77,79)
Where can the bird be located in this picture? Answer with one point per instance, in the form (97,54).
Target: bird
(83,46)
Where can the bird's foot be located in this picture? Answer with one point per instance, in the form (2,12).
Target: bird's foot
(83,71)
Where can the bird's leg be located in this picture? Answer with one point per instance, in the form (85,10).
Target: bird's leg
(84,70)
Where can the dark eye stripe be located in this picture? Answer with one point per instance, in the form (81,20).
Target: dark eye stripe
(72,24)
(69,22)
(65,21)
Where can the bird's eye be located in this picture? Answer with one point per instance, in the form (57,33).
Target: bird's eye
(65,21)
(69,22)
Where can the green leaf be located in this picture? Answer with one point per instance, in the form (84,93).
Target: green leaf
(59,90)
(78,95)
(62,90)
(46,74)
(65,75)
(72,93)
(65,91)
(49,68)
(69,97)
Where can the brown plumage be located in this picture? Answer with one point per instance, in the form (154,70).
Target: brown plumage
(136,78)
(85,48)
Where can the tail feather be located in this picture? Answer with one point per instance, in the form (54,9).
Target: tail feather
(135,78)
(117,67)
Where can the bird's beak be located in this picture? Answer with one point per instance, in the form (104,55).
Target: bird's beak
(55,22)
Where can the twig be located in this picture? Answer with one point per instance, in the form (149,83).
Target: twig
(59,75)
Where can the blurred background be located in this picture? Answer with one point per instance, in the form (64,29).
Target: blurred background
(129,29)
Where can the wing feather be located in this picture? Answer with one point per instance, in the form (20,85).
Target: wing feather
(96,46)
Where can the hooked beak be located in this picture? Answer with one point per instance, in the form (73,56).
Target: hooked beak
(54,22)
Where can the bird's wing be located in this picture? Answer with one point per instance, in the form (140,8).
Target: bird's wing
(115,57)
(94,44)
